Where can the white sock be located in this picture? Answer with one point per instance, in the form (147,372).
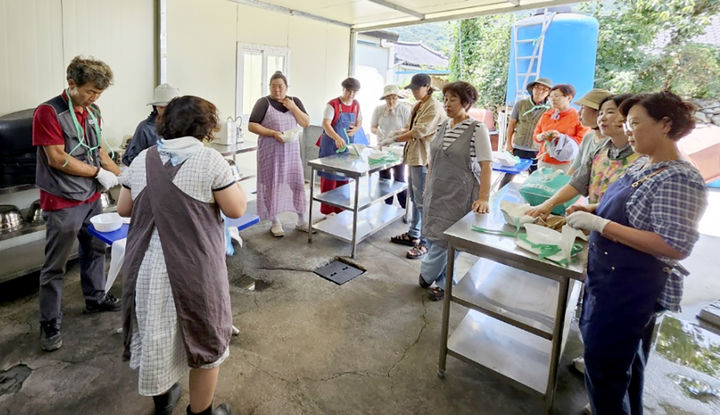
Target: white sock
(276,221)
(302,219)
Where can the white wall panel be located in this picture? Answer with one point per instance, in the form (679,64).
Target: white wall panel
(39,38)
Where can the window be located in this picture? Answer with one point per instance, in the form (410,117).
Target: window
(255,66)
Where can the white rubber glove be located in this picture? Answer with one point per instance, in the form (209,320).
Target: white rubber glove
(587,221)
(107,179)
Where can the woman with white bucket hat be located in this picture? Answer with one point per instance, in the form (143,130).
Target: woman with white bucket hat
(145,134)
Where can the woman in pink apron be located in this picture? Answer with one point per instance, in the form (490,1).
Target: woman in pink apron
(276,119)
(176,296)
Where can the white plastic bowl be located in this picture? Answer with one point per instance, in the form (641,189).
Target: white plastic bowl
(107,222)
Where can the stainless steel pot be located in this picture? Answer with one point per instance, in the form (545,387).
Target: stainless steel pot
(10,218)
(34,214)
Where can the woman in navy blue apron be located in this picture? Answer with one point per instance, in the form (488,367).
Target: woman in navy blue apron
(645,222)
(342,125)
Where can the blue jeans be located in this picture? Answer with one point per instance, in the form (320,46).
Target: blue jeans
(433,267)
(416,189)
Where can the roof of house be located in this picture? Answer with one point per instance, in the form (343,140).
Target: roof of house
(417,54)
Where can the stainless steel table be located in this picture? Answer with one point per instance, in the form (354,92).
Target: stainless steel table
(519,305)
(363,215)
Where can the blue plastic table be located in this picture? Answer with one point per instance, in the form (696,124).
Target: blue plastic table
(519,167)
(109,237)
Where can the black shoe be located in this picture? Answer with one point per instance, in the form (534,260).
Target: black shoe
(108,303)
(222,409)
(50,337)
(165,403)
(422,283)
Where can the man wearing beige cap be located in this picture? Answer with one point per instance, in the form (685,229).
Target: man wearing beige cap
(589,107)
(145,135)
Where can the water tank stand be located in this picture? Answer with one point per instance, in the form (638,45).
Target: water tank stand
(535,58)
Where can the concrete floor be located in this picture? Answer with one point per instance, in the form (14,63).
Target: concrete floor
(307,346)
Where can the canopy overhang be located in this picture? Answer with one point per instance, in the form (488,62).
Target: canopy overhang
(364,15)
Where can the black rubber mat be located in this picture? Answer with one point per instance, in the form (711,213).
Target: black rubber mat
(339,272)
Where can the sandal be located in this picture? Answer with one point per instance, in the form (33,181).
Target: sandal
(417,251)
(423,283)
(436,294)
(405,239)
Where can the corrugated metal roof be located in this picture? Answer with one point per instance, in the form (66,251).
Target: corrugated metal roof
(361,15)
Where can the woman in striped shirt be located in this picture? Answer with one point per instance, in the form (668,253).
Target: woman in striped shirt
(458,180)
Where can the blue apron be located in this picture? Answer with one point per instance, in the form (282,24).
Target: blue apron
(327,144)
(618,315)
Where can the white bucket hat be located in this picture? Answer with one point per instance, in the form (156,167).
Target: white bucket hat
(163,94)
(392,90)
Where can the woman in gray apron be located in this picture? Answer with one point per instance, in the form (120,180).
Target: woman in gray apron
(460,159)
(176,298)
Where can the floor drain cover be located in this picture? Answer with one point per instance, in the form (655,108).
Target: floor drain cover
(339,272)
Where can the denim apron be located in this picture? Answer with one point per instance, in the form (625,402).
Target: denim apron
(618,315)
(327,144)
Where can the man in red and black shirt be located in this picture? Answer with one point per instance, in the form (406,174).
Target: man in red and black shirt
(72,169)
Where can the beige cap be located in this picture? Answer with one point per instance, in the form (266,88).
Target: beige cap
(593,97)
(392,90)
(163,94)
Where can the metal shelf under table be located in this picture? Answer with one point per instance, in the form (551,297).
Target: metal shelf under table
(369,221)
(521,296)
(362,217)
(372,189)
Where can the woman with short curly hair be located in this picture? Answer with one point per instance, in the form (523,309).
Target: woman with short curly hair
(176,297)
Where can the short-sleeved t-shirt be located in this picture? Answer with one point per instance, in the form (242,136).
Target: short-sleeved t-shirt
(261,106)
(46,131)
(329,112)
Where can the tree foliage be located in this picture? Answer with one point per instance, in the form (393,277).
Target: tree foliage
(481,55)
(643,45)
(646,45)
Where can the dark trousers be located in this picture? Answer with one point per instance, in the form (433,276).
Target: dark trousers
(398,174)
(615,384)
(525,154)
(63,226)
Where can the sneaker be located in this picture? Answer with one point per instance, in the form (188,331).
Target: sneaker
(108,303)
(578,364)
(277,230)
(587,410)
(50,337)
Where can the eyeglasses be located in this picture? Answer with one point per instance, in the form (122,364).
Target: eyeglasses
(630,126)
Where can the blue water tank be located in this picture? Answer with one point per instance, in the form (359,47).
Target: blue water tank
(568,55)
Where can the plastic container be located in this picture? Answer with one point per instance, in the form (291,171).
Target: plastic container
(107,222)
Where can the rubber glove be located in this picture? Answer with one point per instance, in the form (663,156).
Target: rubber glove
(587,221)
(106,178)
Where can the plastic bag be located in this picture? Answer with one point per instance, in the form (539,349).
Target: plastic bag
(542,184)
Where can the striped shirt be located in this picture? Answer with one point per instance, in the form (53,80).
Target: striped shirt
(479,143)
(670,204)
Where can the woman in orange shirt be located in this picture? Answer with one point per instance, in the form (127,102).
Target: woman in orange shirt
(559,130)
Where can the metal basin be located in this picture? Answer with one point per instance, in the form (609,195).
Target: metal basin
(105,200)
(10,218)
(35,213)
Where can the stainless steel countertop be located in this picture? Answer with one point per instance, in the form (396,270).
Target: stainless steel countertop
(349,165)
(503,248)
